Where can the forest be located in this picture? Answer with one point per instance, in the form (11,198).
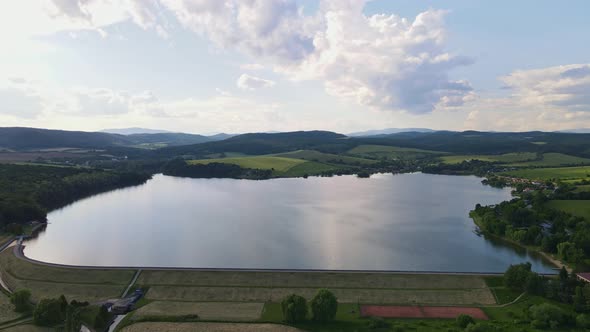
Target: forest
(28,192)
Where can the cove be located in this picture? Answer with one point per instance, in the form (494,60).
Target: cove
(403,222)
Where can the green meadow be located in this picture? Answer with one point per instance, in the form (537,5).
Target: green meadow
(503,158)
(580,208)
(560,173)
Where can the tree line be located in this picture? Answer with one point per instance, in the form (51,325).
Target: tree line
(28,192)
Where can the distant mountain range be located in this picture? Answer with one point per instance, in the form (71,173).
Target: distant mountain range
(19,138)
(388,131)
(134,130)
(576,131)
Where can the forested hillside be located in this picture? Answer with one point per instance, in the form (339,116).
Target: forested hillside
(28,192)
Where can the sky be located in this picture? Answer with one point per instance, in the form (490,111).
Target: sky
(235,66)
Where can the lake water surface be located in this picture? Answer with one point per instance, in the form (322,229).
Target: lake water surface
(411,222)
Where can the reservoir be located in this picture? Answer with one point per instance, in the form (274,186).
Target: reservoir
(404,222)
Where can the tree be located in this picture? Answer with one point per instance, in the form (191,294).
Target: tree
(103,318)
(73,322)
(464,320)
(324,306)
(48,312)
(546,315)
(535,284)
(294,308)
(21,299)
(579,300)
(516,276)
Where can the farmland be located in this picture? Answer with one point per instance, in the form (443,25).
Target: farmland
(208,327)
(329,158)
(390,152)
(578,208)
(288,164)
(278,164)
(553,159)
(503,158)
(561,173)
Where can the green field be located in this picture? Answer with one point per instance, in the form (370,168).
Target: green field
(554,159)
(280,165)
(329,158)
(578,208)
(46,282)
(582,188)
(503,158)
(561,173)
(390,152)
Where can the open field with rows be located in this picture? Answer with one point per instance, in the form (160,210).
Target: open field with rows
(578,208)
(503,158)
(561,173)
(279,164)
(218,311)
(390,152)
(208,327)
(553,159)
(238,286)
(329,158)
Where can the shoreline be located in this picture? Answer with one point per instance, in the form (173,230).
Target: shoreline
(19,253)
(557,263)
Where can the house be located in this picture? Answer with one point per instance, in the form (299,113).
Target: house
(584,276)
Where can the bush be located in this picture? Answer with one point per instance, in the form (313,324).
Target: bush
(49,312)
(21,299)
(377,323)
(103,318)
(583,321)
(516,276)
(294,308)
(481,327)
(464,320)
(324,306)
(546,315)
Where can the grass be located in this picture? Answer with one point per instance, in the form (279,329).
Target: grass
(216,311)
(502,294)
(277,164)
(582,188)
(503,158)
(578,208)
(561,173)
(239,286)
(390,152)
(78,284)
(554,159)
(311,155)
(308,168)
(7,312)
(207,327)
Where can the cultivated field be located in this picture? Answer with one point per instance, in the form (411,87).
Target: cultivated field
(279,164)
(208,327)
(373,288)
(390,152)
(46,281)
(218,311)
(309,279)
(582,188)
(317,156)
(562,173)
(554,159)
(503,158)
(420,312)
(578,208)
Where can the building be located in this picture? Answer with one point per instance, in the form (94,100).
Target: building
(584,276)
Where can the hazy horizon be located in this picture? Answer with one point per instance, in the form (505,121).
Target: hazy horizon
(255,66)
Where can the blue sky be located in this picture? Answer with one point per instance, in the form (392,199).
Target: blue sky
(207,66)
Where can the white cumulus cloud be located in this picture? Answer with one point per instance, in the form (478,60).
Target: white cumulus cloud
(249,82)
